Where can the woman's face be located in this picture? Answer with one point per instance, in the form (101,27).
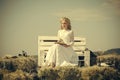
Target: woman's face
(64,24)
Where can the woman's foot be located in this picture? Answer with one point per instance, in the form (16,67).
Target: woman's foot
(39,66)
(52,65)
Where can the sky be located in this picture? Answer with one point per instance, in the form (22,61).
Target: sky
(22,21)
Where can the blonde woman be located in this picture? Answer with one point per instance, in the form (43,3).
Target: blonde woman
(62,53)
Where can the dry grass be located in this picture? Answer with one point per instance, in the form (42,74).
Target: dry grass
(113,60)
(77,73)
(110,57)
(19,68)
(17,75)
(60,73)
(20,63)
(99,73)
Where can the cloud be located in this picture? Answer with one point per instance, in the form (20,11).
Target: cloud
(112,3)
(83,14)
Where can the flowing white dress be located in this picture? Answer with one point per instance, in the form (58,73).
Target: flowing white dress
(60,55)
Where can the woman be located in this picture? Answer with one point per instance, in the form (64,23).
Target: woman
(62,53)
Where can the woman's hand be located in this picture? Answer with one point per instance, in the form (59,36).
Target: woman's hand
(65,45)
(59,42)
(62,43)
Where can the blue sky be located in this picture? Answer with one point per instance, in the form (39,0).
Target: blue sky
(22,21)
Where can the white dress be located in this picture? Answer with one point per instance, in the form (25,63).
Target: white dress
(60,55)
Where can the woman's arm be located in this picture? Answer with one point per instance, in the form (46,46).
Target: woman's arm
(60,41)
(72,38)
(63,44)
(66,43)
(69,40)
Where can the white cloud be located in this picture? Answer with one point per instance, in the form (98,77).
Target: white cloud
(113,5)
(83,14)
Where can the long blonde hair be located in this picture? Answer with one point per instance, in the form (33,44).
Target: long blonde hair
(68,21)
